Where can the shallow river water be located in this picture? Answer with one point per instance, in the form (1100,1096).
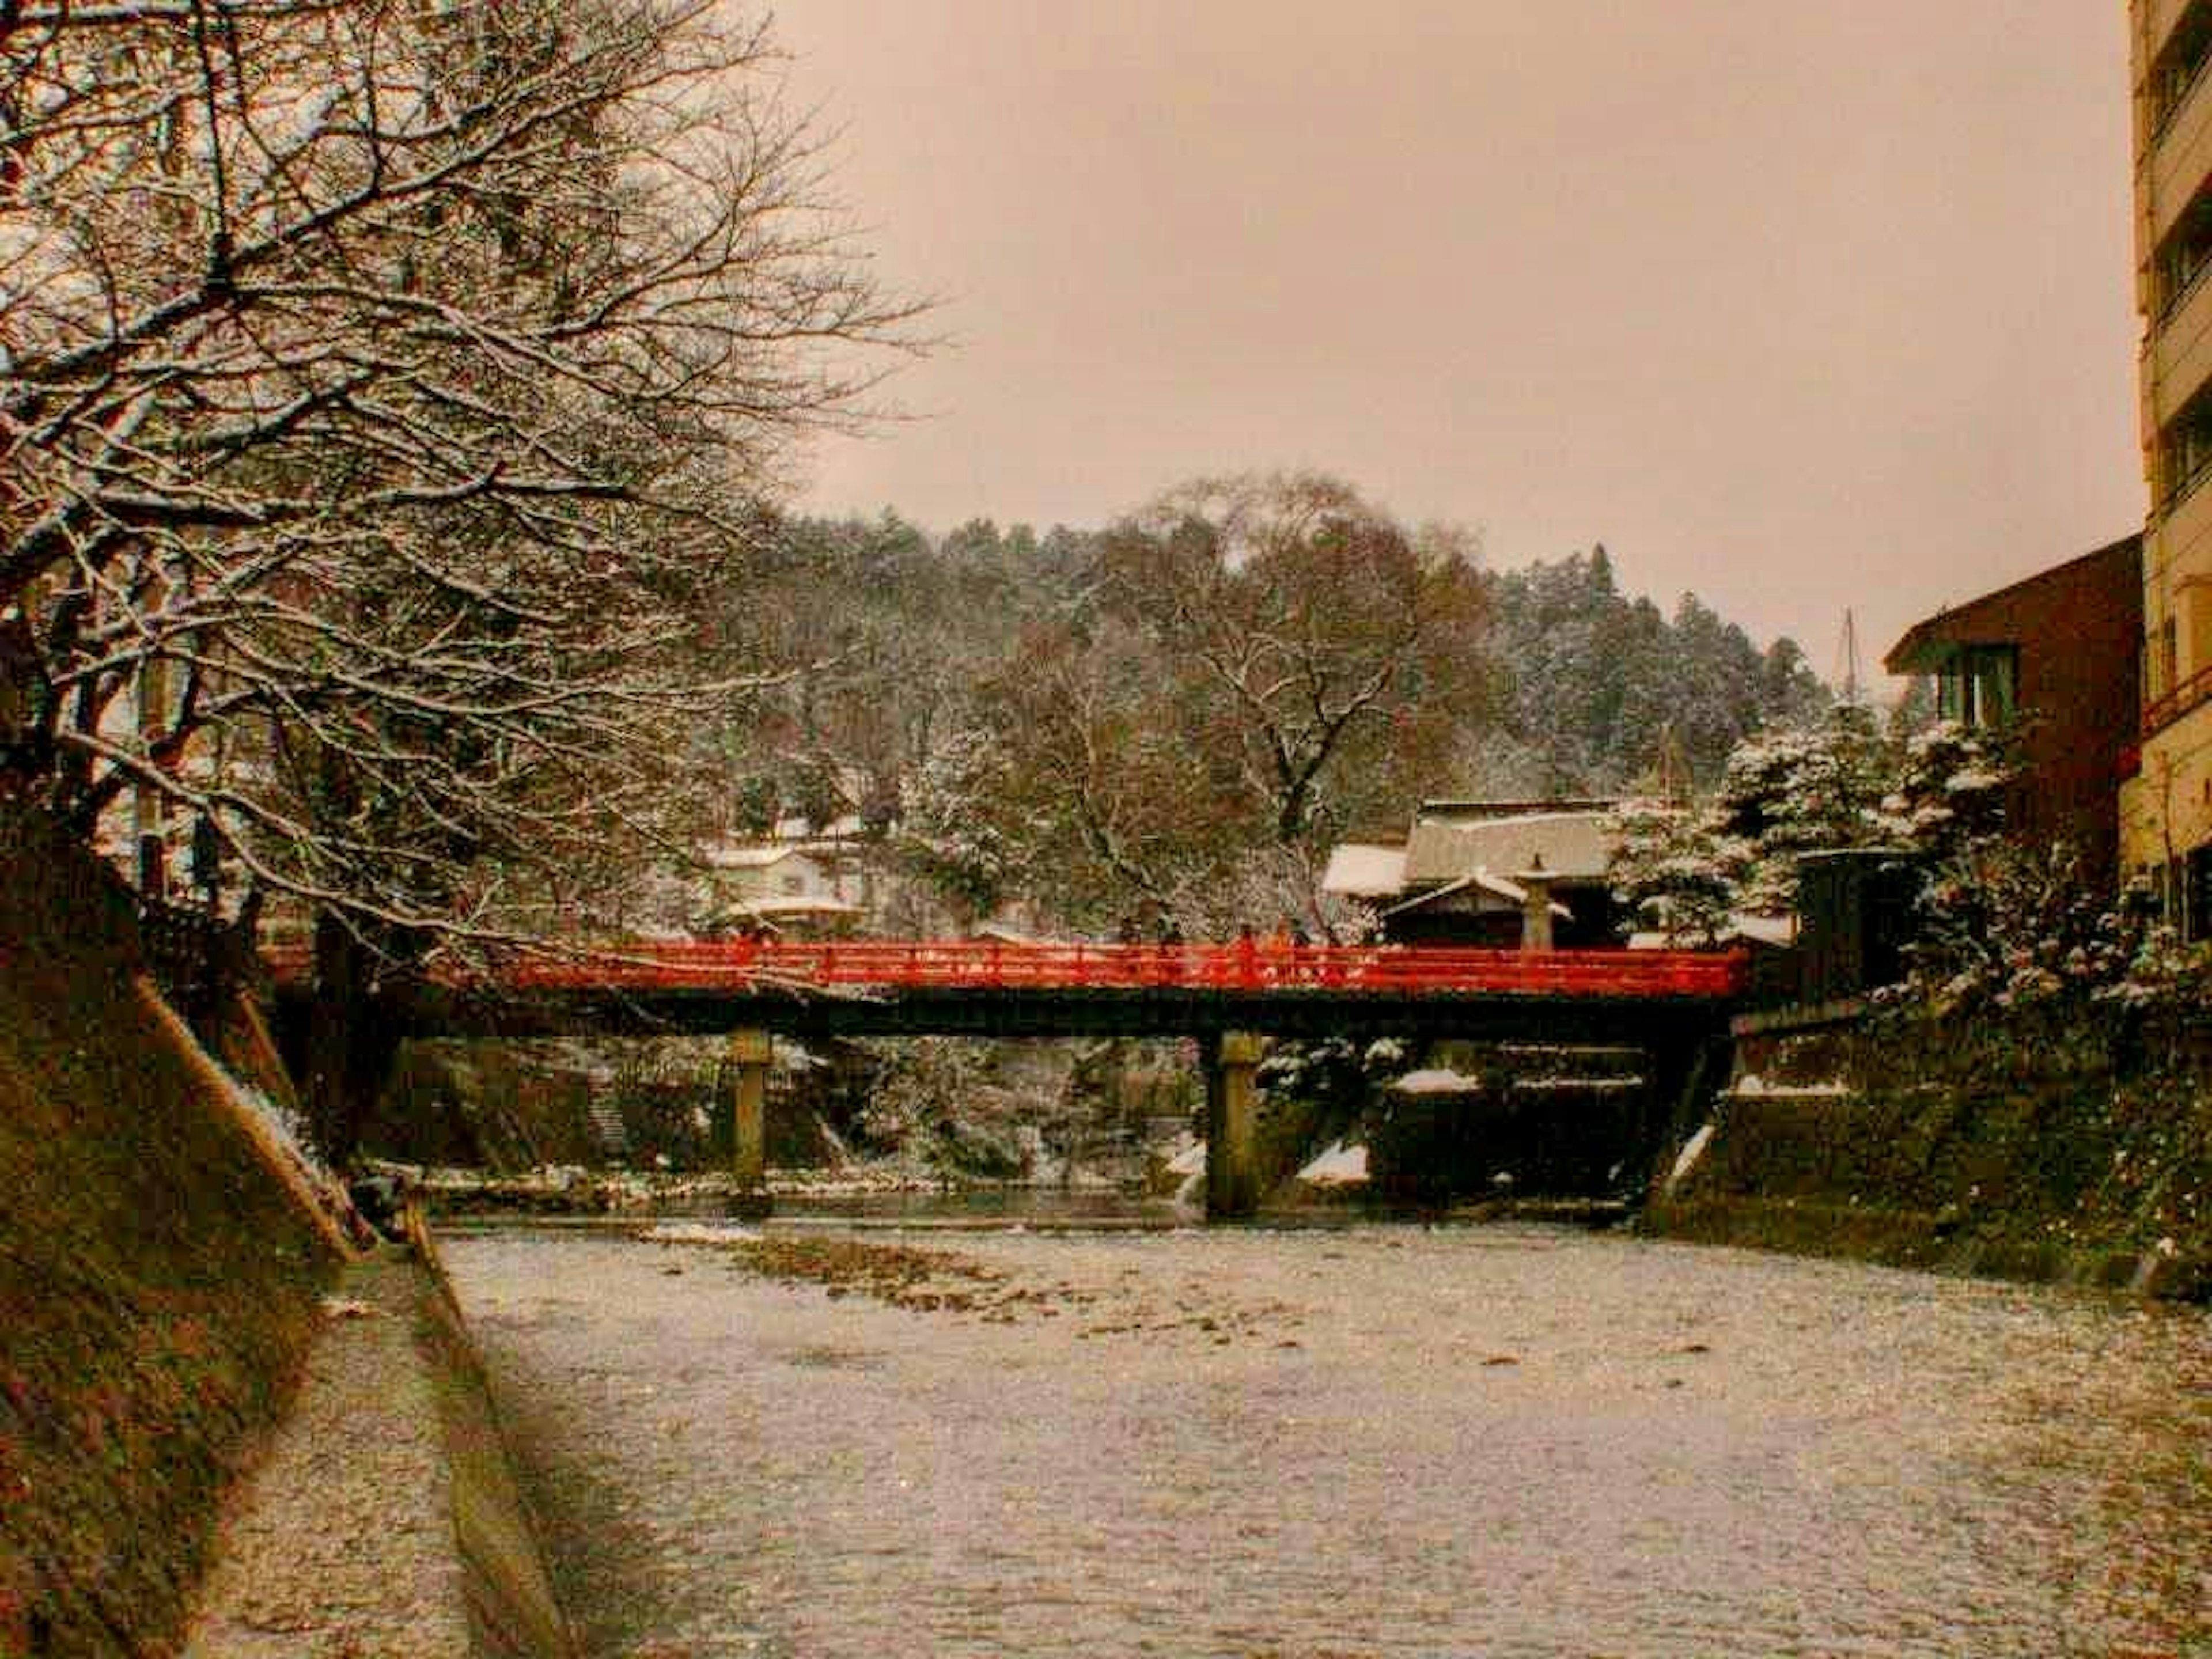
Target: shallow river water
(1378,1440)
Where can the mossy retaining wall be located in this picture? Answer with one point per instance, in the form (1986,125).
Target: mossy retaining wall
(2049,1143)
(158,1287)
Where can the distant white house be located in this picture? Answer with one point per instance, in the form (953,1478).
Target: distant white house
(798,879)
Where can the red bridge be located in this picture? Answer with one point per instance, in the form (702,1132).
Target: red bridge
(979,988)
(988,965)
(1231,998)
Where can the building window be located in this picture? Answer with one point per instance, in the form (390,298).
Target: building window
(2184,256)
(2180,66)
(794,885)
(2185,450)
(2196,601)
(1980,685)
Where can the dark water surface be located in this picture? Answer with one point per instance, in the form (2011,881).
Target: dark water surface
(1374,1440)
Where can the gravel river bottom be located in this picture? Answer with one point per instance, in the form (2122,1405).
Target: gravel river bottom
(1374,1440)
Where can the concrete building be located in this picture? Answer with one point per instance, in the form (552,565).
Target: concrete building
(2165,808)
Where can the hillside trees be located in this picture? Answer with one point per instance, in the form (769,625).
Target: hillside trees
(385,386)
(1602,685)
(1132,720)
(894,631)
(1316,646)
(1245,663)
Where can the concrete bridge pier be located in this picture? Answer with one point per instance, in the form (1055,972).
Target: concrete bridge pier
(1232,1170)
(749,1050)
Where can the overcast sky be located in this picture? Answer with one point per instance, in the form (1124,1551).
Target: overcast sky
(1802,305)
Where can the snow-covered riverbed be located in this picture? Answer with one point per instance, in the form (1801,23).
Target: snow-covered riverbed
(1374,1440)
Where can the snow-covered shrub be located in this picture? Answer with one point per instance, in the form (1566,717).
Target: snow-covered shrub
(1791,791)
(2163,973)
(1384,1057)
(1675,870)
(2005,926)
(1949,787)
(1318,1067)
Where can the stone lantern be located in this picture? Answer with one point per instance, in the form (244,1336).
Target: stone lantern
(1535,886)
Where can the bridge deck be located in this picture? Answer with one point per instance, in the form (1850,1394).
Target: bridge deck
(982,989)
(985,965)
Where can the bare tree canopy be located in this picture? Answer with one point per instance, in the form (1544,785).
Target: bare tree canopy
(1319,643)
(381,387)
(1246,667)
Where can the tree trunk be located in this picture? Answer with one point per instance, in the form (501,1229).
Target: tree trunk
(349,1045)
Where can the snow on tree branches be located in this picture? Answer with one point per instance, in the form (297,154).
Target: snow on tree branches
(383,386)
(1793,790)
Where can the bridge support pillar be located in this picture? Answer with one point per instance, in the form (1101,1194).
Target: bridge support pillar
(1232,1170)
(749,1056)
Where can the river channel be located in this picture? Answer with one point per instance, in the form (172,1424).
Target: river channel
(1370,1440)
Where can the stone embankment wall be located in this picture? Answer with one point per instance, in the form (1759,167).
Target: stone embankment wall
(158,1284)
(2060,1143)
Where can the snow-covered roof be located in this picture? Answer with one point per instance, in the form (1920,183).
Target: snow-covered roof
(751,855)
(787,907)
(1512,894)
(1437,1081)
(759,855)
(797,827)
(1777,931)
(1574,846)
(1364,869)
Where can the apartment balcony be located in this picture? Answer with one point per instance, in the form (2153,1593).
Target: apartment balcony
(2180,160)
(2186,698)
(2180,536)
(2178,352)
(2160,17)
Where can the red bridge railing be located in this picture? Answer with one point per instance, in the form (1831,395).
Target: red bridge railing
(984,966)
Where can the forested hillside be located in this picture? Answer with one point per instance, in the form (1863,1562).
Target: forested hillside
(1179,713)
(1607,688)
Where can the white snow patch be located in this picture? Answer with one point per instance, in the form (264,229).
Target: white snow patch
(1437,1081)
(700,1232)
(1364,869)
(1537,1085)
(1752,1084)
(1686,1159)
(1191,1160)
(1338,1165)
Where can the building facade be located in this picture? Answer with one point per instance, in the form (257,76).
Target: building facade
(2054,658)
(2165,807)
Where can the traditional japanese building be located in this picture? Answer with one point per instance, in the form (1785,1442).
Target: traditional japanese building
(1461,876)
